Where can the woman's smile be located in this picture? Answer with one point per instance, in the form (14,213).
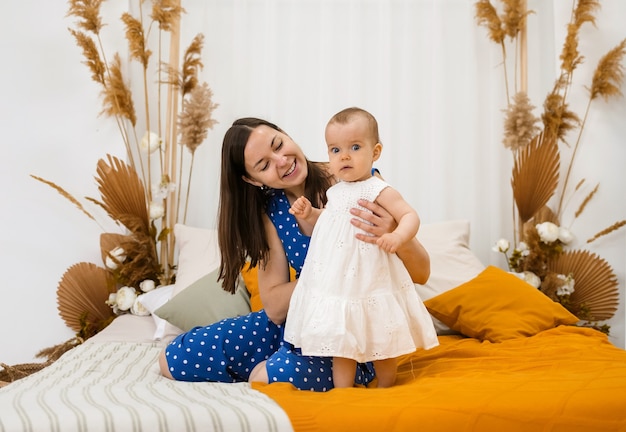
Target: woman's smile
(291,169)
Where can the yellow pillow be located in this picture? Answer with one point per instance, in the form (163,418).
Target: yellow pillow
(250,279)
(497,306)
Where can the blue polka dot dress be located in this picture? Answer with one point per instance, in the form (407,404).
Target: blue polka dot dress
(228,350)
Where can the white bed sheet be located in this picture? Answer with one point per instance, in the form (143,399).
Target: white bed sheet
(112,383)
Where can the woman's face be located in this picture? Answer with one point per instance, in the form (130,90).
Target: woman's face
(273,159)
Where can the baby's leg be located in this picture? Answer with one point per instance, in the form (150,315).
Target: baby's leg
(386,371)
(343,372)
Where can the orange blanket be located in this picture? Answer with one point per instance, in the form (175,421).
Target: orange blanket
(563,379)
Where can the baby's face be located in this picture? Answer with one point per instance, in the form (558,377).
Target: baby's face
(351,150)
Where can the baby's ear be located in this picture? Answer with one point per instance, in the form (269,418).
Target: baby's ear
(378,149)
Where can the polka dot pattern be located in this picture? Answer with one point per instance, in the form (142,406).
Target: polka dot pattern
(295,243)
(226,351)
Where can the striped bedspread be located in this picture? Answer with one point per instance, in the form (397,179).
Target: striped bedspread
(116,386)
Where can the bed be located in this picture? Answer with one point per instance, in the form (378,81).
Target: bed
(509,359)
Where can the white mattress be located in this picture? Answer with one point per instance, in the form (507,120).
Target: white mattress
(112,383)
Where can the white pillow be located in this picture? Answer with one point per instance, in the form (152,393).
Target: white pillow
(452,263)
(198,254)
(152,300)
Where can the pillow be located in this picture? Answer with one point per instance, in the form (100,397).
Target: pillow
(451,260)
(250,279)
(497,306)
(198,256)
(152,300)
(204,302)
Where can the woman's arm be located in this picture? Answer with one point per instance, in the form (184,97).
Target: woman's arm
(275,288)
(377,222)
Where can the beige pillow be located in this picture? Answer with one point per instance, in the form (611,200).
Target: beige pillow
(451,260)
(198,254)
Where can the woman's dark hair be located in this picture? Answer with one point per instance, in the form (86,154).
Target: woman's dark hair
(240,230)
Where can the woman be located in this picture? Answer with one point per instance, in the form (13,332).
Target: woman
(263,171)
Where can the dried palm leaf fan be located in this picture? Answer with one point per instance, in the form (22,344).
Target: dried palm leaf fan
(82,293)
(595,287)
(123,194)
(535,175)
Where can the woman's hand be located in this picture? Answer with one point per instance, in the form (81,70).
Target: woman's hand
(375,222)
(413,255)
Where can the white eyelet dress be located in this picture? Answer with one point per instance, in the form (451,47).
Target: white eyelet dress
(353,299)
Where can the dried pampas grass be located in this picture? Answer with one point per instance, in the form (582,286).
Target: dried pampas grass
(136,40)
(88,13)
(519,123)
(615,226)
(557,118)
(196,117)
(91,55)
(609,74)
(166,13)
(582,13)
(192,63)
(65,194)
(487,16)
(117,97)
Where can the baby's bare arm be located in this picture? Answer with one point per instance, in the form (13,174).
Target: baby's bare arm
(404,214)
(306,214)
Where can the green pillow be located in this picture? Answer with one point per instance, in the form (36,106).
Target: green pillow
(204,302)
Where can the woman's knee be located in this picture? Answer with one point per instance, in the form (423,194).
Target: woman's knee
(165,370)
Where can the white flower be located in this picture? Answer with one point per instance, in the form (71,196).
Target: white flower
(138,308)
(157,210)
(529,277)
(522,247)
(125,298)
(565,235)
(548,232)
(111,301)
(113,257)
(501,245)
(147,285)
(162,189)
(568,285)
(150,142)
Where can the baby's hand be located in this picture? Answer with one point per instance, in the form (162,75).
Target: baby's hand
(301,208)
(389,242)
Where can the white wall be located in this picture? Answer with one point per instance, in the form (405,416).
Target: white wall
(445,158)
(51,129)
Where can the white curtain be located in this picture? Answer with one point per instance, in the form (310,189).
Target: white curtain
(421,67)
(430,76)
